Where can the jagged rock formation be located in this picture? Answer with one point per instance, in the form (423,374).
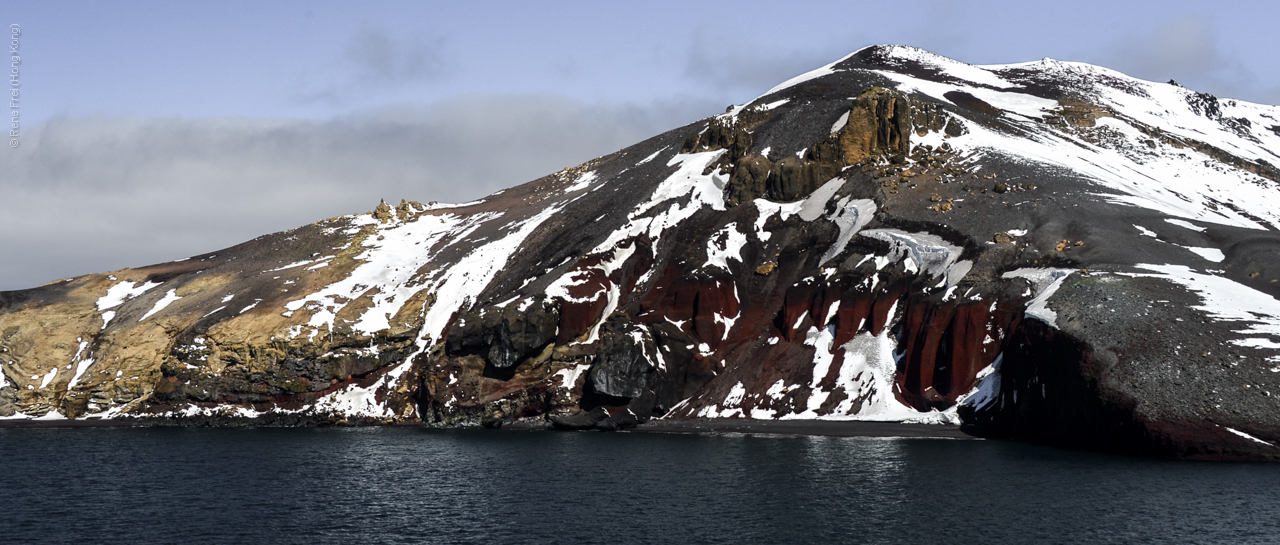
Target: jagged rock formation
(1044,251)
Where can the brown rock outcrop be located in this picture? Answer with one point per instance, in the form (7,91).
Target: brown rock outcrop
(879,124)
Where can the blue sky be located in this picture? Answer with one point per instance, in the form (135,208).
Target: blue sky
(156,130)
(317,60)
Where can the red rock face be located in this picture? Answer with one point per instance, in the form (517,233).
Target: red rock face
(589,294)
(944,347)
(941,345)
(588,298)
(698,305)
(769,365)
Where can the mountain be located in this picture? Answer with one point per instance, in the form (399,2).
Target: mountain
(1047,251)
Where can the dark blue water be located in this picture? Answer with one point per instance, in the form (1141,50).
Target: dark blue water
(398,485)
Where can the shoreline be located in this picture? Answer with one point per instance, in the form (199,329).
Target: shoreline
(816,428)
(25,424)
(702,426)
(822,428)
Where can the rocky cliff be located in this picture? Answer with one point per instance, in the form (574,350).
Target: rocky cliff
(1047,251)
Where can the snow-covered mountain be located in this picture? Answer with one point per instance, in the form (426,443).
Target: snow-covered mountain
(1049,251)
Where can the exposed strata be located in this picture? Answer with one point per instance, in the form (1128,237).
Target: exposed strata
(1047,251)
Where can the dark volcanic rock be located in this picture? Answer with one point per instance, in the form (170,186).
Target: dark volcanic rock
(624,419)
(583,421)
(791,179)
(748,181)
(623,361)
(505,336)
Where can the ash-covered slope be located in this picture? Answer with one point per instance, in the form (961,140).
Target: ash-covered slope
(1047,251)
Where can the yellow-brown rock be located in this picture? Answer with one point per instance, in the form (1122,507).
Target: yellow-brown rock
(879,124)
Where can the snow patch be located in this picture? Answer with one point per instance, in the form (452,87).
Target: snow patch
(169,298)
(980,75)
(840,123)
(584,180)
(986,388)
(652,156)
(1247,436)
(809,209)
(677,198)
(812,74)
(1210,254)
(724,245)
(354,400)
(926,253)
(291,265)
(48,377)
(81,365)
(123,291)
(850,216)
(1176,181)
(1225,300)
(560,287)
(1185,224)
(866,378)
(569,377)
(1044,282)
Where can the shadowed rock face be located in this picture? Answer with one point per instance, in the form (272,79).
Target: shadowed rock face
(1049,251)
(749,180)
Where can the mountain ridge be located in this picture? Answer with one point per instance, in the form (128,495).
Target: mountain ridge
(893,236)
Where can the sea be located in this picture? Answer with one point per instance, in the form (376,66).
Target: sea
(413,485)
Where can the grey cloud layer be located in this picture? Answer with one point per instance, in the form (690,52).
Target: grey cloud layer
(747,67)
(86,195)
(1187,48)
(385,59)
(89,195)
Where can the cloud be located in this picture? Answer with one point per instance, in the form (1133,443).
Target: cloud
(372,63)
(98,194)
(738,65)
(1271,96)
(1187,48)
(380,57)
(1184,46)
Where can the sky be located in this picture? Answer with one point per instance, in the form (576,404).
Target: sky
(151,131)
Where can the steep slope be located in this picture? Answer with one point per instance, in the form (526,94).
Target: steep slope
(1046,251)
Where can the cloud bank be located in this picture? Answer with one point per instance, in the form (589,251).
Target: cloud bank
(97,194)
(1189,48)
